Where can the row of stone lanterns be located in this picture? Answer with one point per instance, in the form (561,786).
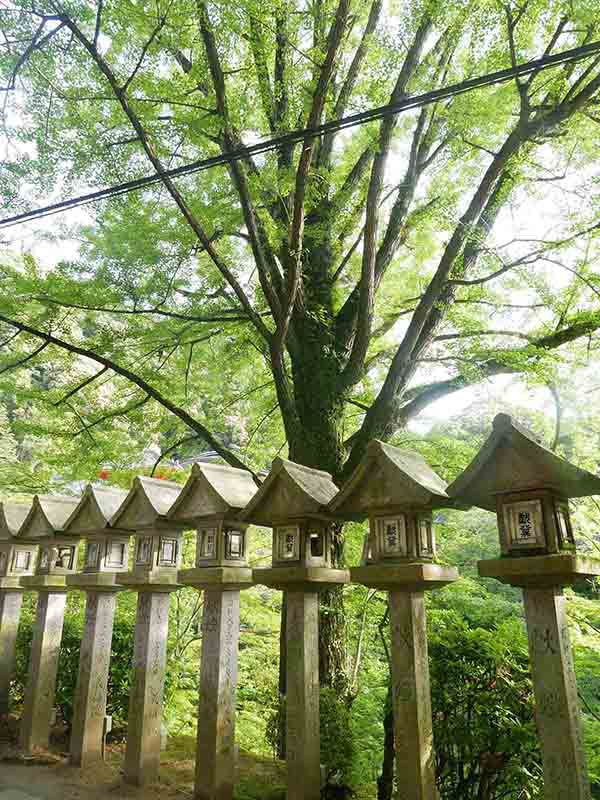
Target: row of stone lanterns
(513,474)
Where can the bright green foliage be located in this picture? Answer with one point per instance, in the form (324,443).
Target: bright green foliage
(486,744)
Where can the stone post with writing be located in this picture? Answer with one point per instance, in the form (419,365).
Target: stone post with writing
(57,558)
(106,556)
(397,491)
(17,559)
(293,501)
(529,488)
(211,501)
(157,557)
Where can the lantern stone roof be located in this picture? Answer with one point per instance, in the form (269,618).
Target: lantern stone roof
(289,491)
(389,477)
(512,460)
(213,489)
(47,516)
(12,517)
(95,510)
(148,502)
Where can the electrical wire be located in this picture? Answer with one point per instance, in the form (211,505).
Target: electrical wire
(307,134)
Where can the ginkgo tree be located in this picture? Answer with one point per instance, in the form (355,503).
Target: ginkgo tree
(327,291)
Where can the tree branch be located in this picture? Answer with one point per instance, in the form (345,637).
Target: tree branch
(137,380)
(187,213)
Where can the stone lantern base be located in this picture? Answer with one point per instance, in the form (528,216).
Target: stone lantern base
(89,713)
(560,569)
(156,581)
(43,661)
(217,578)
(297,579)
(410,577)
(555,686)
(142,754)
(301,586)
(215,741)
(11,598)
(406,584)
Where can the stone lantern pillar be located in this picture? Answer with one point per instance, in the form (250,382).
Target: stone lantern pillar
(156,559)
(106,556)
(211,501)
(528,487)
(293,501)
(397,491)
(57,558)
(17,559)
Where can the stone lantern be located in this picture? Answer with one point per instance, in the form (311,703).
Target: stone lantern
(528,487)
(45,525)
(293,501)
(397,490)
(106,556)
(16,560)
(211,502)
(156,559)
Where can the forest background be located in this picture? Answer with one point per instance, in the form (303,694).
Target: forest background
(404,279)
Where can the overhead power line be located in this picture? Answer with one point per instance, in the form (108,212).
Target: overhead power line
(300,135)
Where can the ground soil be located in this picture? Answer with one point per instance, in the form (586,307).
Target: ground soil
(49,776)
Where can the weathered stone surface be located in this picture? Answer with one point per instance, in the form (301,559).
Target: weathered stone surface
(87,728)
(213,490)
(47,516)
(95,510)
(43,664)
(388,478)
(512,459)
(302,709)
(215,753)
(142,756)
(213,577)
(548,570)
(95,581)
(413,733)
(555,687)
(10,610)
(412,577)
(146,505)
(56,583)
(290,490)
(296,578)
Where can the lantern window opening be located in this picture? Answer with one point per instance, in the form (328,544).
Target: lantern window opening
(167,554)
(144,550)
(115,554)
(288,539)
(316,538)
(65,557)
(234,540)
(208,543)
(92,554)
(563,525)
(425,529)
(3,562)
(44,561)
(21,561)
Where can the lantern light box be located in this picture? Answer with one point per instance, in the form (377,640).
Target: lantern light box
(107,548)
(528,486)
(397,490)
(293,501)
(17,558)
(157,539)
(211,501)
(45,525)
